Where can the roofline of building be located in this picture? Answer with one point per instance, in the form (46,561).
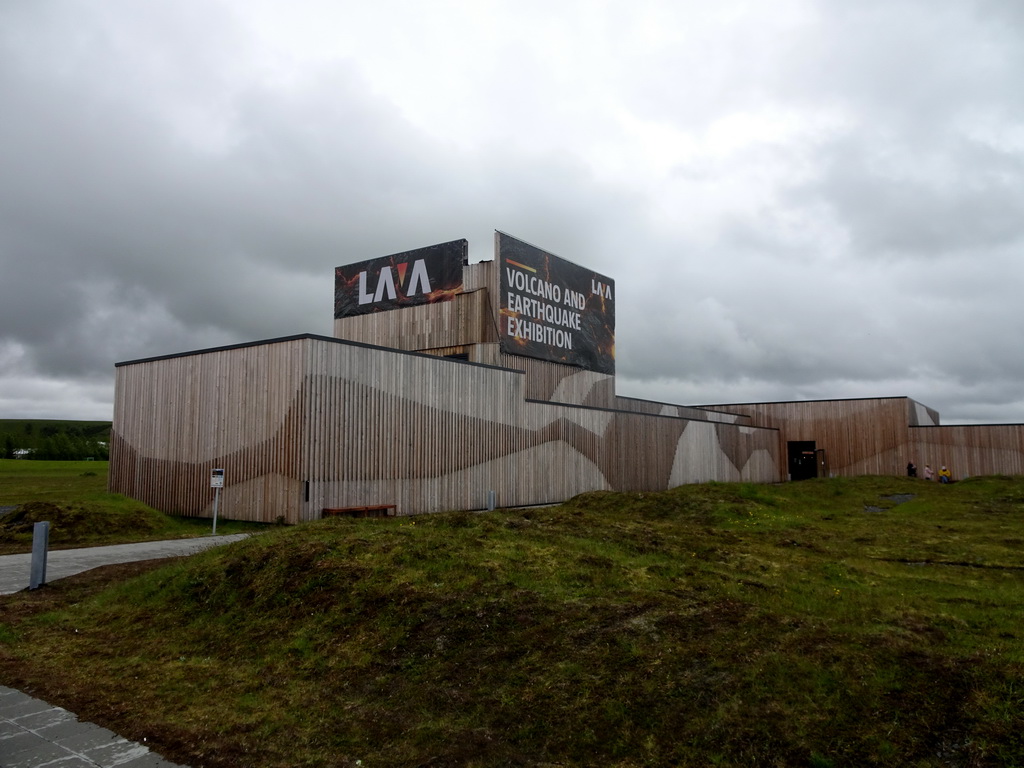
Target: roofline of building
(312,337)
(947,426)
(676,405)
(818,400)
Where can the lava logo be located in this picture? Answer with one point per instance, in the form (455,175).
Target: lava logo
(604,290)
(387,288)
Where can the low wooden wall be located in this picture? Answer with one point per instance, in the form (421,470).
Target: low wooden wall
(878,436)
(466,319)
(970,450)
(860,437)
(306,423)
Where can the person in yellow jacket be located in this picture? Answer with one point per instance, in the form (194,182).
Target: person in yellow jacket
(945,475)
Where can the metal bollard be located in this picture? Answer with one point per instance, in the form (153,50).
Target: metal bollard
(492,500)
(40,544)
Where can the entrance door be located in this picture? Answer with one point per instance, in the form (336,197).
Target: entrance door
(803,461)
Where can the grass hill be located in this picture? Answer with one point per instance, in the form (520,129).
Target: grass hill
(72,496)
(843,622)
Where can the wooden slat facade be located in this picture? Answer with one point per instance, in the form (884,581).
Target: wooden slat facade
(686,412)
(860,437)
(177,418)
(466,319)
(307,423)
(970,450)
(879,436)
(562,383)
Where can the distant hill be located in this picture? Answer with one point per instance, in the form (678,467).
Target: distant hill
(54,439)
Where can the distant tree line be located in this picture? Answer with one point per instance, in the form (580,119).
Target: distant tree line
(52,442)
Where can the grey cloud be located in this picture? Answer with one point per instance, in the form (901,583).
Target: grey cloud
(939,198)
(156,201)
(121,240)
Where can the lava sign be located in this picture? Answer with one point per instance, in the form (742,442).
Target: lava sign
(423,276)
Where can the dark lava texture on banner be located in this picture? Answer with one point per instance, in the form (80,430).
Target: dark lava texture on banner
(552,309)
(423,276)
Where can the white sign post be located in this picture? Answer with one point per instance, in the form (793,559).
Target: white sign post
(216,481)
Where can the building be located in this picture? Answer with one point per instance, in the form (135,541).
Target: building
(450,385)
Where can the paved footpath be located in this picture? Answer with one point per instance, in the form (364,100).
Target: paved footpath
(15,570)
(34,734)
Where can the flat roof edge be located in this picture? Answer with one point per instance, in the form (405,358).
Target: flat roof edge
(646,415)
(310,337)
(948,426)
(817,400)
(677,405)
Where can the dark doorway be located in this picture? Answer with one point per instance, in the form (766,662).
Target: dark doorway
(803,460)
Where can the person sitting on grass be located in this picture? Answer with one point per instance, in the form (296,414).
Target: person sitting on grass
(945,475)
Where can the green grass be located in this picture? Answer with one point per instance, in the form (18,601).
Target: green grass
(72,496)
(808,624)
(23,481)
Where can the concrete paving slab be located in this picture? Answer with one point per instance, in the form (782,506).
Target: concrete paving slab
(87,739)
(35,756)
(61,563)
(63,741)
(63,732)
(116,752)
(71,761)
(152,760)
(48,718)
(22,706)
(13,747)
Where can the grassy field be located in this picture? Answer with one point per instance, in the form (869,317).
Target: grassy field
(844,622)
(72,496)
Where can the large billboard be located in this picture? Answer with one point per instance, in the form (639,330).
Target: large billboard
(552,309)
(423,276)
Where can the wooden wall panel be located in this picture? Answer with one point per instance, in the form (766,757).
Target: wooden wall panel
(686,412)
(483,274)
(971,450)
(879,436)
(177,418)
(466,319)
(860,437)
(399,419)
(351,425)
(562,383)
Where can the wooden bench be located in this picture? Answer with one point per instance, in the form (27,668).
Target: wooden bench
(374,510)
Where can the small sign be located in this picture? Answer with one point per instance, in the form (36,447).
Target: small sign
(217,478)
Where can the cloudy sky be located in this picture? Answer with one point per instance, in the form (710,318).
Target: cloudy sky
(798,199)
